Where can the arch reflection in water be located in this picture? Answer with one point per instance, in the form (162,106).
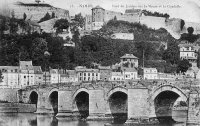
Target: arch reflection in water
(25,119)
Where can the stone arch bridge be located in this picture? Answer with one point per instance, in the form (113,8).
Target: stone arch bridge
(135,100)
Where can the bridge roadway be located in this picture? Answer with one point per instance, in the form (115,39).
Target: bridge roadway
(138,101)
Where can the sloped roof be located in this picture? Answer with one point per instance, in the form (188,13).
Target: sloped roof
(37,69)
(128,56)
(26,65)
(6,68)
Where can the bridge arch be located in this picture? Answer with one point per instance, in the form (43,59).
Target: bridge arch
(172,88)
(78,91)
(117,101)
(117,89)
(53,99)
(163,99)
(33,97)
(81,102)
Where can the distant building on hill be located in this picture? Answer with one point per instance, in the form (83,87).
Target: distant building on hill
(84,74)
(129,58)
(101,16)
(189,51)
(148,73)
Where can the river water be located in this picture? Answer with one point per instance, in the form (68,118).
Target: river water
(26,119)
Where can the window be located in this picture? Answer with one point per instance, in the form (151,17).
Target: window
(84,74)
(24,76)
(88,74)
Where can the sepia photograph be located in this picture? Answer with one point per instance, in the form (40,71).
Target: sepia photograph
(99,62)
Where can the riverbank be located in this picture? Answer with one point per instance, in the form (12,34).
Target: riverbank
(17,108)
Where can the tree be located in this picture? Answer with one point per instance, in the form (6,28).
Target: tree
(13,24)
(198,58)
(189,36)
(45,18)
(183,66)
(1,76)
(39,46)
(80,19)
(115,18)
(190,30)
(53,15)
(171,55)
(24,16)
(182,24)
(60,25)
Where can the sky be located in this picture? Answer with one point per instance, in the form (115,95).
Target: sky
(188,10)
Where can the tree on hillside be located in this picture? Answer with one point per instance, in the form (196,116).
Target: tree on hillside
(1,76)
(13,23)
(171,55)
(24,16)
(80,19)
(182,24)
(115,18)
(198,58)
(39,46)
(53,15)
(189,36)
(183,66)
(60,25)
(76,39)
(45,18)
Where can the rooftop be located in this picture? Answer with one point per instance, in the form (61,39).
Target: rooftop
(98,7)
(128,56)
(26,65)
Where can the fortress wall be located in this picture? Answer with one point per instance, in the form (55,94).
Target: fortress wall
(196,26)
(38,12)
(120,16)
(9,95)
(153,22)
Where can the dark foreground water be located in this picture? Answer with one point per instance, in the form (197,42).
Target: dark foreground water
(22,119)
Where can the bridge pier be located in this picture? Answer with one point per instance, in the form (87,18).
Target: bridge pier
(41,104)
(97,105)
(193,110)
(137,105)
(65,104)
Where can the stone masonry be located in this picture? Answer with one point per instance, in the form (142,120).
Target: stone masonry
(141,97)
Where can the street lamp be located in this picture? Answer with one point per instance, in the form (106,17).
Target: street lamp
(46,55)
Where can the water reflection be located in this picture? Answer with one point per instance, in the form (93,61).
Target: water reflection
(48,120)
